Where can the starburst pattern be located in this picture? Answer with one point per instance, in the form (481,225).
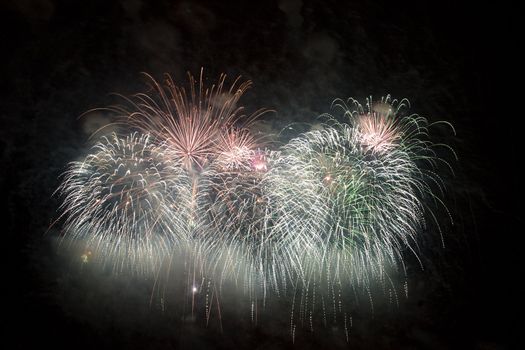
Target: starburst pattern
(334,209)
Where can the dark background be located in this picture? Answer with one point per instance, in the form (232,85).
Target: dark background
(455,62)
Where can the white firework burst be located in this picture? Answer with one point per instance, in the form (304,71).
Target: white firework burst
(127,202)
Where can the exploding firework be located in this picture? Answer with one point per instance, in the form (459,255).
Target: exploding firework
(357,193)
(236,212)
(206,155)
(197,124)
(331,211)
(127,202)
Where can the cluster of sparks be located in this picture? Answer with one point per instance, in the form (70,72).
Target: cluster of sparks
(335,206)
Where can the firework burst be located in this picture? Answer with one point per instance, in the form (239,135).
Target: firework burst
(332,210)
(204,155)
(364,182)
(197,124)
(126,200)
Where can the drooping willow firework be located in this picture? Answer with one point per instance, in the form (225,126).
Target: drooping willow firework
(126,201)
(333,207)
(367,174)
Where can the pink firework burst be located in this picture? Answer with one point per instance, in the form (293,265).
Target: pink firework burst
(198,124)
(378,130)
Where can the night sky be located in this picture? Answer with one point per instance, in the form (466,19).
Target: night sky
(453,62)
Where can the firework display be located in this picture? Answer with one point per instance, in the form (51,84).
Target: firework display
(335,206)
